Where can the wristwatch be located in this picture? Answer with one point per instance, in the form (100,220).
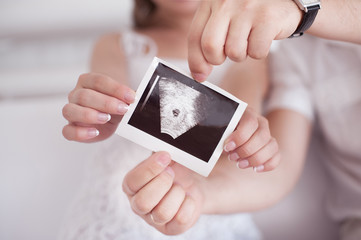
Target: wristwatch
(310,7)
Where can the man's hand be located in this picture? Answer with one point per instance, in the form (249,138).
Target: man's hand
(237,29)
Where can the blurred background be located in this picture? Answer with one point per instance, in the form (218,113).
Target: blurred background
(44,47)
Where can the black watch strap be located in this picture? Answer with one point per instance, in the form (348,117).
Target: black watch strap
(307,20)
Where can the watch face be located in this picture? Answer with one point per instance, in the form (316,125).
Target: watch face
(307,3)
(304,4)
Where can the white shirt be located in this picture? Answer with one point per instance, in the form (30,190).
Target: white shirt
(322,80)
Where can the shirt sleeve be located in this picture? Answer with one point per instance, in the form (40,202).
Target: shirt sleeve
(289,77)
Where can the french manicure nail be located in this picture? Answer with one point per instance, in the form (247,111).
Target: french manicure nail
(129,96)
(122,108)
(242,164)
(259,168)
(104,117)
(93,133)
(230,146)
(233,156)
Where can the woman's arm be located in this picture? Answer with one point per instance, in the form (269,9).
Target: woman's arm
(101,97)
(108,58)
(230,190)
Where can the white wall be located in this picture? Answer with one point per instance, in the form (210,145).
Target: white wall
(49,38)
(39,170)
(44,46)
(20,17)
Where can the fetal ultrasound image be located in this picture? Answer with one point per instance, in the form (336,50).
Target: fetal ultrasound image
(183,113)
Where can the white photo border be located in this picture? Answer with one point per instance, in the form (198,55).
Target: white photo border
(154,144)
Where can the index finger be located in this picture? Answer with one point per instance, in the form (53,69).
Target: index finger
(198,65)
(147,170)
(107,85)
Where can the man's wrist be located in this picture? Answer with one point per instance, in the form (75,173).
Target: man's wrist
(310,9)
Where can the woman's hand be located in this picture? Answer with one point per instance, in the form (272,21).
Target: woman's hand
(251,144)
(96,106)
(164,194)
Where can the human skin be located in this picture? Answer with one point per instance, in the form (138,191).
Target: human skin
(238,29)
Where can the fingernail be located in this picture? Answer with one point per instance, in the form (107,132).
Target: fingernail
(170,171)
(200,77)
(104,117)
(154,221)
(164,159)
(230,146)
(122,108)
(233,156)
(93,133)
(129,96)
(242,164)
(259,168)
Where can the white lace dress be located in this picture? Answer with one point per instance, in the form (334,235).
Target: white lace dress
(101,210)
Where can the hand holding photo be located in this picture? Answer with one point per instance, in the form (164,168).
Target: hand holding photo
(188,119)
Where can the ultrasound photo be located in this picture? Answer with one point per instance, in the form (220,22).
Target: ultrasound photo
(183,112)
(187,115)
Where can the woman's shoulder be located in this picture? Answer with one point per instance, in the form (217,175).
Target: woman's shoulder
(108,42)
(137,43)
(120,41)
(108,56)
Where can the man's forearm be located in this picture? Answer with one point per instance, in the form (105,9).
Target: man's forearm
(338,20)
